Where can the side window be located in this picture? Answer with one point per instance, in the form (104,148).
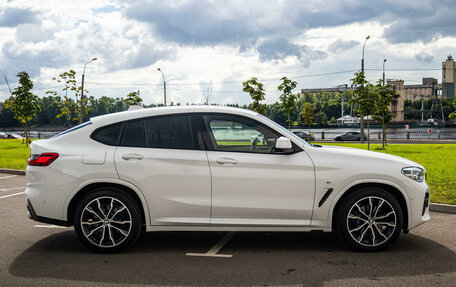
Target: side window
(108,135)
(238,134)
(134,134)
(173,132)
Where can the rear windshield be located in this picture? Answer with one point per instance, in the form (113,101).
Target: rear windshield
(73,129)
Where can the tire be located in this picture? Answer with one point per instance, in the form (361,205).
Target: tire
(338,139)
(107,220)
(366,228)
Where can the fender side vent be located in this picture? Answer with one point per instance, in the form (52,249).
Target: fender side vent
(325,197)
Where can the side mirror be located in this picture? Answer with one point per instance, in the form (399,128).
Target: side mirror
(283,145)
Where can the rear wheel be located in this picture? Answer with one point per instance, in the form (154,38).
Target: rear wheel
(107,220)
(370,219)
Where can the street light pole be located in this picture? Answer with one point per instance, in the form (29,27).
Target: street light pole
(164,86)
(383,118)
(384,61)
(362,71)
(82,91)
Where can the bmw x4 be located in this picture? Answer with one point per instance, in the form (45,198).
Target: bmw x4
(203,168)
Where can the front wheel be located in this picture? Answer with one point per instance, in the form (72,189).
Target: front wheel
(107,220)
(370,219)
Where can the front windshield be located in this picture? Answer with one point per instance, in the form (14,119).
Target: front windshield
(285,131)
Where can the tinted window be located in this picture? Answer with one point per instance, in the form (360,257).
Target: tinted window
(108,135)
(172,132)
(134,134)
(232,133)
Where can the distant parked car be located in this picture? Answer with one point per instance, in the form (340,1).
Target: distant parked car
(15,136)
(4,135)
(350,136)
(304,135)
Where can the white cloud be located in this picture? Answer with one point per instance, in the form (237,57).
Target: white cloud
(200,43)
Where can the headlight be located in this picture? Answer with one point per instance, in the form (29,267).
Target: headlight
(414,173)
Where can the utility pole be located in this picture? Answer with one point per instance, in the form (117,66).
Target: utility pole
(362,71)
(164,86)
(82,92)
(342,106)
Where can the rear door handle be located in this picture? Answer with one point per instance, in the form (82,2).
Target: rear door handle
(129,156)
(226,161)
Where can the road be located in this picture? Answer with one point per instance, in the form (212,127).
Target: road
(35,254)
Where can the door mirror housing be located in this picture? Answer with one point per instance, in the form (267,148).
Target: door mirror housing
(283,145)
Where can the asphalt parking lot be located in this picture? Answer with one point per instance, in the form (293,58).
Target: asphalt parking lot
(35,254)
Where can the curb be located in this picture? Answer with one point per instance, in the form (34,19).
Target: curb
(434,207)
(442,208)
(12,171)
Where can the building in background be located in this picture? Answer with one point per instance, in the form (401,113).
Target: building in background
(448,78)
(429,89)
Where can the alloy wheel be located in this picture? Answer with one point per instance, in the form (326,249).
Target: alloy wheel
(371,221)
(106,222)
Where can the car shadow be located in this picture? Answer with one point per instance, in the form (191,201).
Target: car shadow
(259,258)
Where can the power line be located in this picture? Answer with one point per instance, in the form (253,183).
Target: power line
(238,82)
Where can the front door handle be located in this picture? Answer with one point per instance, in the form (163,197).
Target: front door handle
(226,161)
(129,156)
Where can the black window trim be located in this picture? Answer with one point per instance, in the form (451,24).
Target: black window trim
(193,131)
(208,137)
(201,136)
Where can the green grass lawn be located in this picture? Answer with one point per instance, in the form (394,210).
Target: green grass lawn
(438,159)
(13,154)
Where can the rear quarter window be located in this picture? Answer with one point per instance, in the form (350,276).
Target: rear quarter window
(108,135)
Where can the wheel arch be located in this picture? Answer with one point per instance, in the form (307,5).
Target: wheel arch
(86,189)
(388,187)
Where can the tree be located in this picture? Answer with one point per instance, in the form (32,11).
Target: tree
(287,98)
(23,103)
(256,91)
(72,110)
(133,98)
(385,95)
(363,100)
(321,119)
(307,115)
(453,114)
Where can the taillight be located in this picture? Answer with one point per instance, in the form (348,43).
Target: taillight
(43,159)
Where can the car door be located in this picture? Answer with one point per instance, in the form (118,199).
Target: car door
(160,155)
(251,183)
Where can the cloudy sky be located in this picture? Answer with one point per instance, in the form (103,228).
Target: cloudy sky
(203,45)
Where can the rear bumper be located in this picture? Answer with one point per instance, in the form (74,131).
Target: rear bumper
(32,215)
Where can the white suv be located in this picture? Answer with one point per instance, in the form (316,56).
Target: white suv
(197,168)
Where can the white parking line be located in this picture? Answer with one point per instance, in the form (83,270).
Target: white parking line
(10,188)
(8,176)
(9,195)
(213,251)
(49,226)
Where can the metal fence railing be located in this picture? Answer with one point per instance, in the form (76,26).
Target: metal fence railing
(405,135)
(329,135)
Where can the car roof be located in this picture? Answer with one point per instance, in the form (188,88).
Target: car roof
(148,112)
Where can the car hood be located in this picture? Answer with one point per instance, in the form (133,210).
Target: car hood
(354,156)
